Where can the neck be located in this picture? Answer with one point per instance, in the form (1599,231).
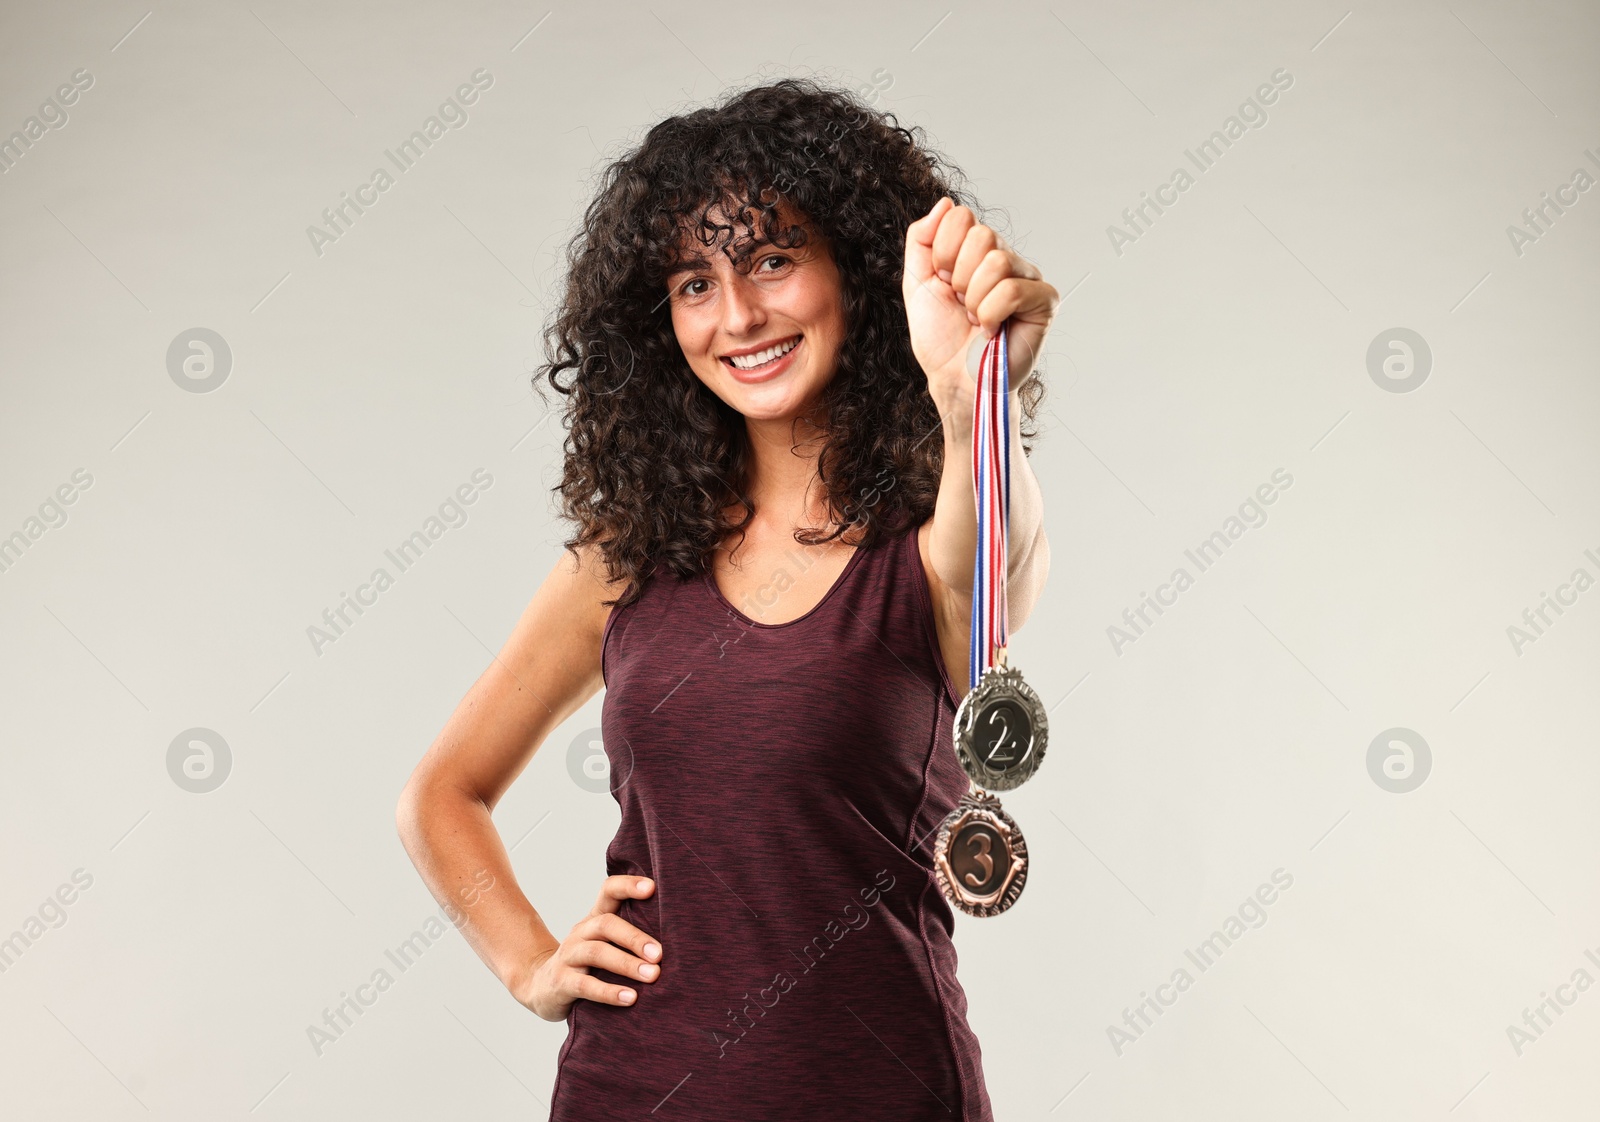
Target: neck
(782,472)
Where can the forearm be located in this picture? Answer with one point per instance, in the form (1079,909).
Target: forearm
(452,840)
(954,541)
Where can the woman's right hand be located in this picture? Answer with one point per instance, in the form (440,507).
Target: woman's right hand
(602,938)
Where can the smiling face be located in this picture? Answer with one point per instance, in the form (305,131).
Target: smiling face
(766,340)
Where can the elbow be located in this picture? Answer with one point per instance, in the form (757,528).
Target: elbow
(432,795)
(1025,588)
(416,805)
(408,812)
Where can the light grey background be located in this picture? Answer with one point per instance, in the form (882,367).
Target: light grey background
(1228,741)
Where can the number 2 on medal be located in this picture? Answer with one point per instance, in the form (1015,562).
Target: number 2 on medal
(981,846)
(1001,752)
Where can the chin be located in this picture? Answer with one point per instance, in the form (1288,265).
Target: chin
(775,405)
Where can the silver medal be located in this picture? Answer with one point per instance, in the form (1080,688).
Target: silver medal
(1000,730)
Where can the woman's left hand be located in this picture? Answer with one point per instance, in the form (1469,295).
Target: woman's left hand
(962,281)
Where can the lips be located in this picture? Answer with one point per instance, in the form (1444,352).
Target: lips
(769,369)
(782,347)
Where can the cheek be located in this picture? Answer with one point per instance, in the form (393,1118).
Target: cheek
(693,337)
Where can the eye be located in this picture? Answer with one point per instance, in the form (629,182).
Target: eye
(683,289)
(774,257)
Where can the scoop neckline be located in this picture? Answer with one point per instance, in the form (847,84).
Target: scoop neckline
(716,592)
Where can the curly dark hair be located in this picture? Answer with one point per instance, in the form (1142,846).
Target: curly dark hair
(653,458)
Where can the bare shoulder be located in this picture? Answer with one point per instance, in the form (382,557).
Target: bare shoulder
(548,667)
(568,613)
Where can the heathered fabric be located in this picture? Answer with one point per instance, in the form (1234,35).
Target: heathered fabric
(782,783)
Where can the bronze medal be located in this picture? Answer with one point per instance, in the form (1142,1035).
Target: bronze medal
(1000,730)
(980,857)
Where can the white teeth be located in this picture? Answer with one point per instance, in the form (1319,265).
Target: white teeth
(746,362)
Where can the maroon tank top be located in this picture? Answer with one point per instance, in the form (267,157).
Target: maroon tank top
(782,784)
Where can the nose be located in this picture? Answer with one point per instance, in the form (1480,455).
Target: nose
(742,312)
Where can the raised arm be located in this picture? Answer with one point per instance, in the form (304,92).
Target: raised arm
(961,283)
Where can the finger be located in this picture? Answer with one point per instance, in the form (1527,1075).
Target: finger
(590,988)
(991,270)
(919,243)
(607,956)
(616,889)
(996,266)
(977,245)
(619,931)
(948,238)
(1021,266)
(1030,300)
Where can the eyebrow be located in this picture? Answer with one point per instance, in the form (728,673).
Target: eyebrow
(691,265)
(702,264)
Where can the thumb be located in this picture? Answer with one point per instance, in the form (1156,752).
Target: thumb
(919,244)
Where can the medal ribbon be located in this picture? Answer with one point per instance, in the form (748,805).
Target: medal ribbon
(991,479)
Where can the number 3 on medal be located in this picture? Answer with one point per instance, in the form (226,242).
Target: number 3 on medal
(980,853)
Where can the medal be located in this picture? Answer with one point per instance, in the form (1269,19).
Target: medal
(1000,730)
(980,857)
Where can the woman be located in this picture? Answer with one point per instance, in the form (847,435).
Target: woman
(769,335)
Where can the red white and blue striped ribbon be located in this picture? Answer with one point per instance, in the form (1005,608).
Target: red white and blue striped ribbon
(991,478)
